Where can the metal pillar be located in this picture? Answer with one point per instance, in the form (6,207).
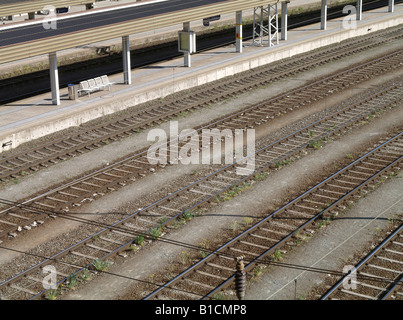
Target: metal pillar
(284,20)
(186,55)
(273,24)
(54,78)
(391,5)
(31,15)
(323,16)
(359,10)
(260,28)
(265,24)
(239,33)
(127,78)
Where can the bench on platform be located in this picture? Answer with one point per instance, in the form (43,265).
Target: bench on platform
(96,84)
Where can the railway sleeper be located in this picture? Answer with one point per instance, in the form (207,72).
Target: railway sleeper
(184,294)
(198,284)
(369,286)
(86,256)
(383,268)
(21,289)
(305,207)
(394,251)
(253,245)
(244,253)
(333,192)
(357,294)
(210,275)
(325,197)
(111,240)
(216,266)
(299,214)
(98,248)
(389,260)
(70,195)
(277,232)
(200,192)
(18,216)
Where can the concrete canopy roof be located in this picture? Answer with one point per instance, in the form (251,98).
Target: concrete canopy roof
(99,25)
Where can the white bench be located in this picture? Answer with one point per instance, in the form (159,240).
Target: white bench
(106,82)
(96,84)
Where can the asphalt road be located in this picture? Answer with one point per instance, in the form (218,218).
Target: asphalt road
(37,31)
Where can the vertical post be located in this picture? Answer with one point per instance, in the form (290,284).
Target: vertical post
(240,278)
(273,24)
(187,59)
(239,31)
(284,20)
(259,28)
(391,5)
(31,15)
(359,9)
(323,18)
(126,60)
(54,78)
(262,25)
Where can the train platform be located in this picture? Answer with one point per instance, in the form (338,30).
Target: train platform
(35,117)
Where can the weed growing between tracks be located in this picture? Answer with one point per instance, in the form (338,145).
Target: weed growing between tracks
(231,231)
(237,193)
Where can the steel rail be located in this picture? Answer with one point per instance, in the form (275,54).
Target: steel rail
(283,241)
(104,187)
(381,247)
(128,243)
(397,284)
(114,182)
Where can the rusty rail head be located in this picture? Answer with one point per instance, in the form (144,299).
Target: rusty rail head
(365,261)
(172,195)
(152,205)
(250,265)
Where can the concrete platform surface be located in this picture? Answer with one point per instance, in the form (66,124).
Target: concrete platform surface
(32,118)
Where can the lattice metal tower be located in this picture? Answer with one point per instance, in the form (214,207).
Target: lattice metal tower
(265,25)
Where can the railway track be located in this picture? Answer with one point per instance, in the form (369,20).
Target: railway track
(31,160)
(150,220)
(216,271)
(377,277)
(97,183)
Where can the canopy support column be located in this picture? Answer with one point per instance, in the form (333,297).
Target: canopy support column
(323,16)
(239,31)
(273,24)
(54,78)
(359,10)
(127,78)
(391,5)
(186,55)
(284,20)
